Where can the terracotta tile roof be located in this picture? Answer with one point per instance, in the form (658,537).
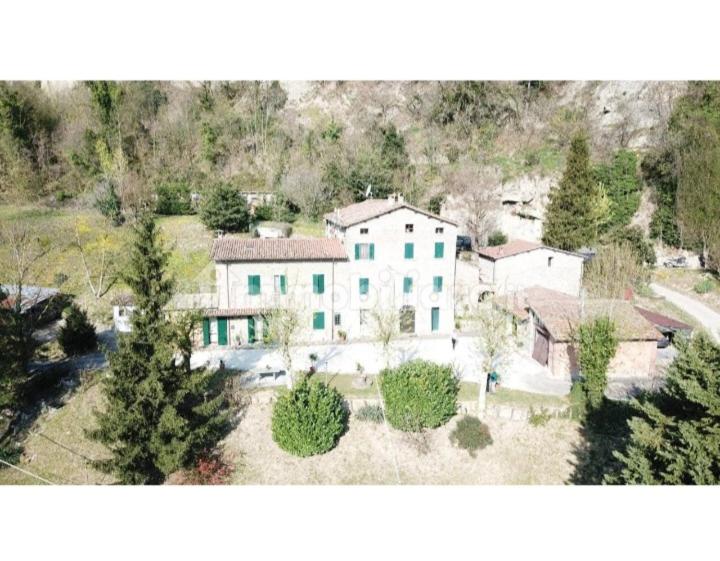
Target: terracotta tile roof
(660,320)
(561,319)
(372,208)
(244,249)
(515,247)
(561,313)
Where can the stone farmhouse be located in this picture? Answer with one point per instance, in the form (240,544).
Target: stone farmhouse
(521,264)
(545,322)
(377,254)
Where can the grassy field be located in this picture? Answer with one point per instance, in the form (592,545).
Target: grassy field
(685,281)
(185,236)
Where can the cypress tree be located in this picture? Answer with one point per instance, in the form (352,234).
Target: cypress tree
(159,414)
(675,439)
(569,220)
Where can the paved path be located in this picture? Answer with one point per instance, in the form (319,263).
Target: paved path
(708,317)
(521,372)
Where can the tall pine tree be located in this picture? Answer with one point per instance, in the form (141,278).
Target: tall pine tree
(159,414)
(570,220)
(675,440)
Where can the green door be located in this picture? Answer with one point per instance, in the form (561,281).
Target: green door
(435,319)
(222,324)
(206,331)
(251,330)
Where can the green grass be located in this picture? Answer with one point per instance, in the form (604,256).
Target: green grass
(504,396)
(468,391)
(187,239)
(304,227)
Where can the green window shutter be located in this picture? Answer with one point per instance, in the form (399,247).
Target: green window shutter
(372,251)
(206,331)
(407,285)
(437,284)
(318,284)
(364,285)
(222,325)
(283,284)
(251,329)
(319,320)
(439,250)
(357,251)
(253,284)
(435,319)
(409,250)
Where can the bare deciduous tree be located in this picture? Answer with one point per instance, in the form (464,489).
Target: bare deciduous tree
(304,187)
(493,344)
(385,323)
(613,270)
(284,328)
(99,257)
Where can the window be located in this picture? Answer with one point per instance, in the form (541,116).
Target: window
(407,285)
(364,251)
(364,285)
(437,284)
(409,228)
(363,231)
(550,261)
(409,250)
(435,319)
(280,284)
(253,284)
(440,230)
(439,250)
(318,284)
(338,320)
(206,331)
(319,320)
(363,317)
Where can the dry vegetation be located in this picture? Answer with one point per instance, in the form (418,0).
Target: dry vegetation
(520,454)
(685,281)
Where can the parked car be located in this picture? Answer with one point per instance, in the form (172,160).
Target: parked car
(464,243)
(675,262)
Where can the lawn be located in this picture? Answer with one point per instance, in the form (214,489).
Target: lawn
(526,400)
(304,228)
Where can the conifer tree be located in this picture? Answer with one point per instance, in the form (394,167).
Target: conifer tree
(159,415)
(675,440)
(570,220)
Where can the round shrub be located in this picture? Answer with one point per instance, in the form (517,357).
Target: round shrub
(471,434)
(370,413)
(77,336)
(419,394)
(224,208)
(309,419)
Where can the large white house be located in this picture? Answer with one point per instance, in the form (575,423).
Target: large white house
(520,264)
(377,255)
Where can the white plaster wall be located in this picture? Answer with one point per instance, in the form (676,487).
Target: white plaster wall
(387,270)
(531,269)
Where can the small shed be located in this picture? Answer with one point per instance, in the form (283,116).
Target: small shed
(666,325)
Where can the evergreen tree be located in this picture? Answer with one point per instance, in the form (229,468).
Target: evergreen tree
(159,415)
(675,440)
(16,349)
(78,335)
(225,208)
(570,221)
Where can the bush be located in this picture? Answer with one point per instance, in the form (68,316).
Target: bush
(370,413)
(309,419)
(578,401)
(634,236)
(108,203)
(419,394)
(173,198)
(471,434)
(77,336)
(211,469)
(704,286)
(539,418)
(225,208)
(264,212)
(598,344)
(497,238)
